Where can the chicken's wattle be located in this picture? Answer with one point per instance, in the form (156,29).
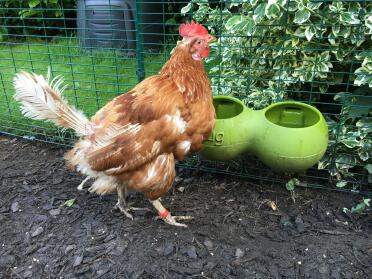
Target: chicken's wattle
(203,54)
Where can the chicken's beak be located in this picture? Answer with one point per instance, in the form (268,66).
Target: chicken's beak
(211,39)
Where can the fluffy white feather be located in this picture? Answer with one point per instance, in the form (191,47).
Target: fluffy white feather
(185,146)
(42,100)
(104,185)
(178,121)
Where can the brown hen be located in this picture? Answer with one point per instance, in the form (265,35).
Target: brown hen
(134,140)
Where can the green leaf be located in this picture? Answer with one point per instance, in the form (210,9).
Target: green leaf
(324,56)
(345,161)
(309,32)
(33,3)
(367,60)
(250,26)
(323,67)
(354,7)
(3,33)
(200,14)
(355,105)
(368,167)
(186,9)
(199,2)
(301,16)
(69,202)
(171,21)
(314,6)
(360,207)
(243,24)
(368,23)
(365,124)
(233,21)
(366,202)
(323,87)
(259,12)
(58,13)
(340,55)
(336,7)
(341,183)
(273,11)
(363,77)
(292,6)
(291,184)
(336,29)
(363,155)
(27,13)
(301,5)
(350,142)
(349,18)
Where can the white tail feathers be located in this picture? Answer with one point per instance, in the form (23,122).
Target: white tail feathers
(42,100)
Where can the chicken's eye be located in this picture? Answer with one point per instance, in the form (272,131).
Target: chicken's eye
(199,42)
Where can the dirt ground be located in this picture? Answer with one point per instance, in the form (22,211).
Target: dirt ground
(236,232)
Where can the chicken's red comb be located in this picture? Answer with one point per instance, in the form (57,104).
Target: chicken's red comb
(192,29)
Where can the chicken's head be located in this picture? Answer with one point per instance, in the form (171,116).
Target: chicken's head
(197,38)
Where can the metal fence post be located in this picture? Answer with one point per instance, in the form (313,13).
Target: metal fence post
(139,42)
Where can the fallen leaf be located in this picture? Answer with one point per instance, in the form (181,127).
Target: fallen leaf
(272,204)
(69,202)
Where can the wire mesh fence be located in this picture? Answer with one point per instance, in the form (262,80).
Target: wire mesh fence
(317,52)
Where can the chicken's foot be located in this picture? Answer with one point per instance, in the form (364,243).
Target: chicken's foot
(81,185)
(165,215)
(123,209)
(122,203)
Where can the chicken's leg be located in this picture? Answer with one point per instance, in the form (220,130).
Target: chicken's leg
(166,215)
(81,185)
(122,203)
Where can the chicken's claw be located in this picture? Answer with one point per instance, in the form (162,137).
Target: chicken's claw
(165,215)
(124,210)
(172,220)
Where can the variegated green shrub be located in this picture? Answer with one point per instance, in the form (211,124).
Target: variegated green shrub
(270,50)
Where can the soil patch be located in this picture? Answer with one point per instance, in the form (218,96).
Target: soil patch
(236,232)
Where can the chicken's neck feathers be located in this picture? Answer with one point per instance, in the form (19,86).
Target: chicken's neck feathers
(189,75)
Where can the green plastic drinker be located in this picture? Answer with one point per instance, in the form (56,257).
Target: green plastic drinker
(286,136)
